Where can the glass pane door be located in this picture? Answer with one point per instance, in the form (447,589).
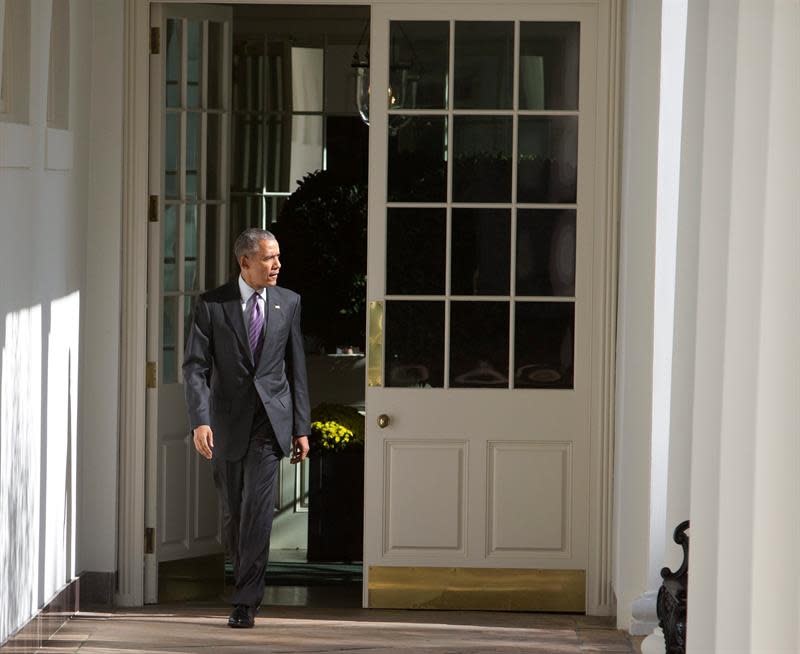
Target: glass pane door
(481,204)
(194,200)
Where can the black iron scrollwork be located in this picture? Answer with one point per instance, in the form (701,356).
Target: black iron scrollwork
(671,601)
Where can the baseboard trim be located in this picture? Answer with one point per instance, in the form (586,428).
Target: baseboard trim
(32,635)
(97,589)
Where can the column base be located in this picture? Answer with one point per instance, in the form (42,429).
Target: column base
(645,618)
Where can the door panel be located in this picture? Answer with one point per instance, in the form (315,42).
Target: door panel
(189,118)
(482,226)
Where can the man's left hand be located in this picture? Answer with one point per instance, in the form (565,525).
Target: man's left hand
(299,448)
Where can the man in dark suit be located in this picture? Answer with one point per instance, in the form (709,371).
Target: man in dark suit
(246,391)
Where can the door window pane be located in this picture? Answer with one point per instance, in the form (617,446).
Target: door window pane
(548,65)
(484,61)
(414,344)
(213,156)
(194,63)
(480,252)
(172,150)
(482,152)
(418,160)
(215,63)
(173,57)
(544,345)
(170,282)
(212,245)
(548,159)
(190,237)
(418,64)
(193,123)
(415,251)
(479,344)
(546,252)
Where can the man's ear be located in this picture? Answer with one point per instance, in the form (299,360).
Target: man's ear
(243,263)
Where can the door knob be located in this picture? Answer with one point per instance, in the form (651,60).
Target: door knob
(383,421)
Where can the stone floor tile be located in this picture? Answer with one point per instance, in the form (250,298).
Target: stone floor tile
(202,629)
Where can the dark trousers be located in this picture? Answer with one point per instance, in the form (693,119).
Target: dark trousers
(246,490)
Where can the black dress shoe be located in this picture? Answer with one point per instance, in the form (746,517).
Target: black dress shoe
(242,617)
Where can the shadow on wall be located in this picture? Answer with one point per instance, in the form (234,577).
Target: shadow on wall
(38,454)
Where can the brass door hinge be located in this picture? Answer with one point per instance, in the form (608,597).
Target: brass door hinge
(149,540)
(155,40)
(151,375)
(152,209)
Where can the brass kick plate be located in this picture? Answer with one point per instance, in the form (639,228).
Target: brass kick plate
(484,589)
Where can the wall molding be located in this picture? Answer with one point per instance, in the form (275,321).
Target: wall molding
(131,505)
(600,598)
(41,627)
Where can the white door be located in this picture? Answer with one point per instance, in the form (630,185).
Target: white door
(189,127)
(483,218)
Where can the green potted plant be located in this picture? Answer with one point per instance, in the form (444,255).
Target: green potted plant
(336,484)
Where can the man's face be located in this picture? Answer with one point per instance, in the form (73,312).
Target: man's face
(261,268)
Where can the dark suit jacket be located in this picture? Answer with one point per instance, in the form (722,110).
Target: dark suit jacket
(222,383)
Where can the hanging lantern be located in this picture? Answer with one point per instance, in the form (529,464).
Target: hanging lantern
(402,91)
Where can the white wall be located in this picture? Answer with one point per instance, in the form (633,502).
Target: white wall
(58,359)
(100,382)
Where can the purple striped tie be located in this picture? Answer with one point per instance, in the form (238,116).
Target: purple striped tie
(255,330)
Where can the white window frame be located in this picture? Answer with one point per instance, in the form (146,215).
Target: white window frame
(15,69)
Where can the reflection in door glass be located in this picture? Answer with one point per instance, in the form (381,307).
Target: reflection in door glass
(479,344)
(548,159)
(484,61)
(212,245)
(414,344)
(194,63)
(173,81)
(213,150)
(415,251)
(546,252)
(190,280)
(172,149)
(170,282)
(544,345)
(480,248)
(418,56)
(215,63)
(482,154)
(418,161)
(548,66)
(193,122)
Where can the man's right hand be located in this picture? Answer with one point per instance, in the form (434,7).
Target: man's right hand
(204,440)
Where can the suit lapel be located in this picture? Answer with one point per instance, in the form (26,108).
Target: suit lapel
(232,308)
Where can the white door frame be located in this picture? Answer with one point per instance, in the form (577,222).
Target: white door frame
(132,462)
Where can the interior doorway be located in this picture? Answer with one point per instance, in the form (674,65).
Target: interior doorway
(254,122)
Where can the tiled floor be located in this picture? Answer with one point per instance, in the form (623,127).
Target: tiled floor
(182,628)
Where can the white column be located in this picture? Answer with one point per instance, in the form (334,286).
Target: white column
(632,515)
(745,561)
(652,462)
